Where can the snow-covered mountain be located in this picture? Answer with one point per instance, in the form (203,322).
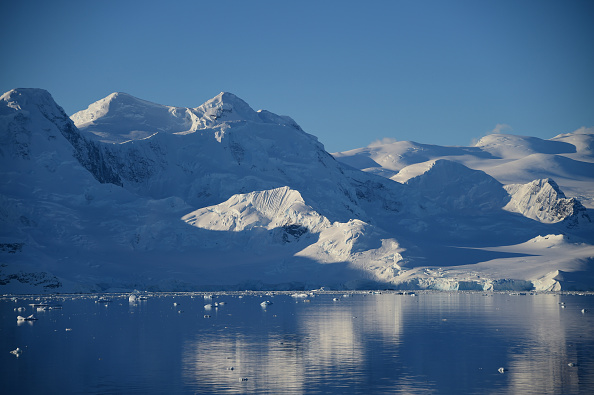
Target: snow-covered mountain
(131,194)
(567,159)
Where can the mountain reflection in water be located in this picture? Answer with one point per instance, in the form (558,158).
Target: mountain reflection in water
(435,342)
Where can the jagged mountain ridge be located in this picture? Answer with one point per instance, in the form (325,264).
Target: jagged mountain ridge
(238,198)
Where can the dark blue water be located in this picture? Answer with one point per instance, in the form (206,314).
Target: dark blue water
(443,343)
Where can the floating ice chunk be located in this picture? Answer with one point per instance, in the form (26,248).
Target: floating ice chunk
(17,352)
(501,370)
(68,329)
(132,298)
(335,299)
(266,303)
(584,311)
(571,364)
(29,318)
(243,379)
(207,296)
(299,295)
(207,306)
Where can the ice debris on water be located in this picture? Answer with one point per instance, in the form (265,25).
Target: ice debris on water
(17,352)
(501,370)
(584,311)
(29,318)
(266,303)
(571,364)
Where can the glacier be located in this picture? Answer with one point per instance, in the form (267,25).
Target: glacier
(130,194)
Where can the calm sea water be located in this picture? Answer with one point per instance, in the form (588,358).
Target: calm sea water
(443,343)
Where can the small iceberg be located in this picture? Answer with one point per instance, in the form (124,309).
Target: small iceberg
(17,352)
(265,303)
(501,370)
(29,318)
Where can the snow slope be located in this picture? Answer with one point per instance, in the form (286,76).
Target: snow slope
(511,159)
(130,194)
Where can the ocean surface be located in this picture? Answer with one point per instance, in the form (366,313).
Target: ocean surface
(312,343)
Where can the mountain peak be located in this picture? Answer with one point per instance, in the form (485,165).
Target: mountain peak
(25,98)
(227,107)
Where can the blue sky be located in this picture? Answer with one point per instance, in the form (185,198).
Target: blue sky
(438,72)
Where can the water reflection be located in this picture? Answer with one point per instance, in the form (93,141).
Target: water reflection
(305,346)
(443,343)
(365,343)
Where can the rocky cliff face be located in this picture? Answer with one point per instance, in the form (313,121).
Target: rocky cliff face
(543,201)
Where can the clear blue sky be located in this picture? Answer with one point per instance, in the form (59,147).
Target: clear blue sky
(439,72)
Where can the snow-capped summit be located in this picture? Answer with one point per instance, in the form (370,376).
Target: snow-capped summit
(120,117)
(36,142)
(512,146)
(25,98)
(457,187)
(226,107)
